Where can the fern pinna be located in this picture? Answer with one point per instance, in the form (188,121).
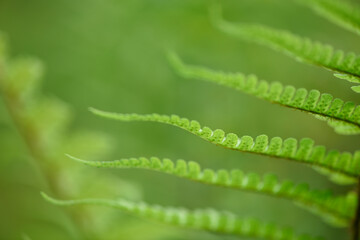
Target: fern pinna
(341,167)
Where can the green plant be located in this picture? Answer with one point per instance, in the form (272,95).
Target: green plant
(44,125)
(341,167)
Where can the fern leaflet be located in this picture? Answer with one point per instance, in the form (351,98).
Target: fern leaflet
(339,209)
(343,116)
(208,220)
(346,66)
(341,13)
(304,152)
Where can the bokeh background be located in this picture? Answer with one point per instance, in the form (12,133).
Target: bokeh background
(111,55)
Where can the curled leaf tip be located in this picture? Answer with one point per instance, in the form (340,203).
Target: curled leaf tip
(96,111)
(172,56)
(92,109)
(57,201)
(46,197)
(75,158)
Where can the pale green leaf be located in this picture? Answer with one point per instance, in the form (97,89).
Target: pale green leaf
(322,202)
(208,220)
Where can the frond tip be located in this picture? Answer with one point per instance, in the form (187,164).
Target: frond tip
(208,220)
(340,12)
(303,49)
(289,149)
(338,209)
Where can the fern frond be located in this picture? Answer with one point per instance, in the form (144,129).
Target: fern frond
(343,116)
(321,202)
(345,65)
(290,149)
(341,12)
(208,220)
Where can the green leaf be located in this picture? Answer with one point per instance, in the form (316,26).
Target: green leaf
(344,117)
(302,49)
(342,13)
(288,149)
(208,220)
(322,202)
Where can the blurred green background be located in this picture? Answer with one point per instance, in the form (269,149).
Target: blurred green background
(110,55)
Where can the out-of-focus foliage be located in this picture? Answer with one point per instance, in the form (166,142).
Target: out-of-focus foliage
(109,54)
(43,123)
